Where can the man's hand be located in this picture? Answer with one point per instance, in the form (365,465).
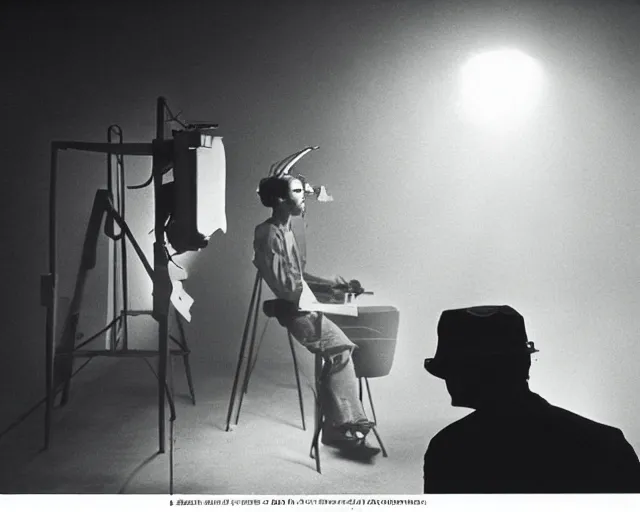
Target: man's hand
(353,286)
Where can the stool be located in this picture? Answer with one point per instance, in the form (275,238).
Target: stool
(251,326)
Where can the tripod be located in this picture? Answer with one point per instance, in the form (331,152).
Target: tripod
(161,152)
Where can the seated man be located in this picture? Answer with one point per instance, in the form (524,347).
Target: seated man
(514,441)
(279,262)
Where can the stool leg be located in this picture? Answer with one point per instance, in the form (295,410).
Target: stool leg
(243,346)
(315,449)
(252,363)
(375,420)
(319,416)
(252,345)
(295,367)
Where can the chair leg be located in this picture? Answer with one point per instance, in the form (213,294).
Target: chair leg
(375,420)
(384,451)
(295,367)
(315,448)
(373,410)
(319,416)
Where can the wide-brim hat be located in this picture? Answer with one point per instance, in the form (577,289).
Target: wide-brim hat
(477,332)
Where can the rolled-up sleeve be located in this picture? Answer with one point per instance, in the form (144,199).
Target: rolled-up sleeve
(271,260)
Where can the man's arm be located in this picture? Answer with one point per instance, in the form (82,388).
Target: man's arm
(319,283)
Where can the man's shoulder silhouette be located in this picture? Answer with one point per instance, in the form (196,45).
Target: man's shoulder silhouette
(531,447)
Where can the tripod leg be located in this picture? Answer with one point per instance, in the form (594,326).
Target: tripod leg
(64,366)
(295,367)
(48,298)
(185,357)
(243,347)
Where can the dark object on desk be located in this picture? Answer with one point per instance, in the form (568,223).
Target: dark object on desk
(375,331)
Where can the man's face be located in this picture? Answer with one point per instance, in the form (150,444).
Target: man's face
(296,197)
(464,384)
(458,389)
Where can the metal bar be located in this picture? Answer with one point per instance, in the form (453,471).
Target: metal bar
(101,331)
(295,367)
(243,346)
(375,420)
(183,345)
(123,246)
(171,393)
(114,265)
(123,225)
(252,364)
(130,148)
(117,353)
(53,298)
(251,349)
(175,340)
(373,410)
(160,276)
(384,450)
(319,416)
(138,312)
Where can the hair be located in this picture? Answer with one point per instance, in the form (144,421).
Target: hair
(272,189)
(277,187)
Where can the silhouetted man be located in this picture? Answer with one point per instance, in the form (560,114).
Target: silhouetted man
(514,441)
(282,266)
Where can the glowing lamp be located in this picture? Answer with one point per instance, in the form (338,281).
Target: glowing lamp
(499,87)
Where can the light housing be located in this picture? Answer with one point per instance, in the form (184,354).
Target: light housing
(197,192)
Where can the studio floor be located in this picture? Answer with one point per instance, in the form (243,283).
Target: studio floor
(105,440)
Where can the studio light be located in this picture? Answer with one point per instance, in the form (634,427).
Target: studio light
(198,189)
(500,87)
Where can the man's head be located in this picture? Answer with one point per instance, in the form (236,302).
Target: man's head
(483,353)
(284,193)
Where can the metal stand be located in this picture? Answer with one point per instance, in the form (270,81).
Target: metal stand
(160,150)
(246,365)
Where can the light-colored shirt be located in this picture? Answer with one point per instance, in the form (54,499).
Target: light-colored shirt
(279,260)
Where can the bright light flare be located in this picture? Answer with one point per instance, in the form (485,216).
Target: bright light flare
(500,87)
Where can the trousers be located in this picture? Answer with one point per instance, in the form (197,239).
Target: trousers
(338,391)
